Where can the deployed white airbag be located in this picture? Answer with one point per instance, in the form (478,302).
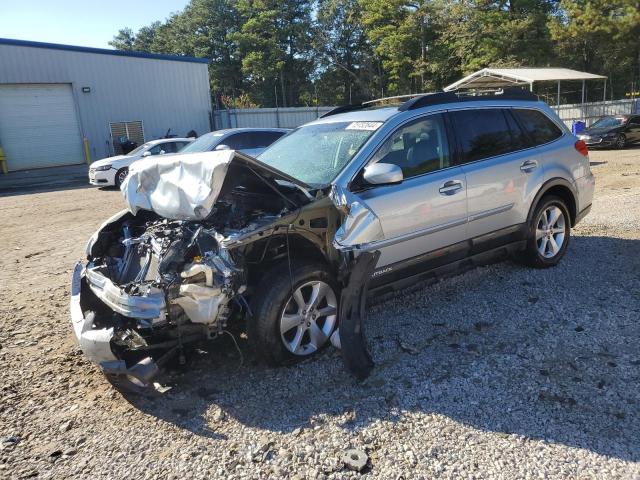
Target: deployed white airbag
(177,187)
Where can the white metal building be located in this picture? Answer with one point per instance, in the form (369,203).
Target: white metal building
(53,97)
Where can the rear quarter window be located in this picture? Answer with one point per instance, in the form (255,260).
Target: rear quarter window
(538,126)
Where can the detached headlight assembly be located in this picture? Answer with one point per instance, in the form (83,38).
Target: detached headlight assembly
(102,168)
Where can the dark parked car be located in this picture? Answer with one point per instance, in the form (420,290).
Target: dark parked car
(612,132)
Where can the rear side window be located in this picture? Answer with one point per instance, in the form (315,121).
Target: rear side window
(539,128)
(483,133)
(239,141)
(264,139)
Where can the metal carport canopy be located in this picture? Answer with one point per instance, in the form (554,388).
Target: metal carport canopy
(505,77)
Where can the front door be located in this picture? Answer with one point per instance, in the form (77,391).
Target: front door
(428,210)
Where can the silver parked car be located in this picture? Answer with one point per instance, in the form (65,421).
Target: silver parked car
(251,141)
(365,199)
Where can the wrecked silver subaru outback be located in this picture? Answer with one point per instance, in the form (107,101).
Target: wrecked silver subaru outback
(364,199)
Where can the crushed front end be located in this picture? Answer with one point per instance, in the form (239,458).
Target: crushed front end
(153,285)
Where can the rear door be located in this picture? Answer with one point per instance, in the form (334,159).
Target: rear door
(428,210)
(501,170)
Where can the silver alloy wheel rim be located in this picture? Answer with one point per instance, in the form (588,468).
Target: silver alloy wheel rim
(308,318)
(122,175)
(620,141)
(550,231)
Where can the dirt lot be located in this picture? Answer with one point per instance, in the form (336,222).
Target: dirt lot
(503,372)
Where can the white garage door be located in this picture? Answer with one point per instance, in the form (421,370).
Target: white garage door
(39,126)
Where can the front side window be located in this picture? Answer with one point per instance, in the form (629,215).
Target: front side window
(316,153)
(156,149)
(417,148)
(539,128)
(482,133)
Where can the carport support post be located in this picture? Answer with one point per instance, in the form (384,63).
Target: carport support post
(604,97)
(582,105)
(558,98)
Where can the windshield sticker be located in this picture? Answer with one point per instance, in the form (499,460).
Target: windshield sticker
(364,126)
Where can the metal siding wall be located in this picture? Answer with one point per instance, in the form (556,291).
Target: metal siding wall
(162,93)
(268,117)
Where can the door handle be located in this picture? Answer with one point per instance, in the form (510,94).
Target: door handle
(451,187)
(529,165)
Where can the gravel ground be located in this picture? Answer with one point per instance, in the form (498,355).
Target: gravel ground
(502,372)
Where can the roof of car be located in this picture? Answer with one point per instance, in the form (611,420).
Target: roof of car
(225,131)
(365,115)
(165,140)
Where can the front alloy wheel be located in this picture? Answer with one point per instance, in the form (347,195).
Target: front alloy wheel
(621,141)
(294,312)
(308,318)
(121,175)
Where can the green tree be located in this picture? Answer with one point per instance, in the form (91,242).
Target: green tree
(274,43)
(345,60)
(124,39)
(601,37)
(399,30)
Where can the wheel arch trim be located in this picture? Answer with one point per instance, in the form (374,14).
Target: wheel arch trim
(553,184)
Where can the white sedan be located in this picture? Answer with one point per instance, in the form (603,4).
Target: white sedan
(113,170)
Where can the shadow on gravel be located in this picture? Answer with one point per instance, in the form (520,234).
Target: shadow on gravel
(545,354)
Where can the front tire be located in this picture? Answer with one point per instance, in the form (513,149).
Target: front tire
(621,141)
(294,312)
(120,176)
(548,233)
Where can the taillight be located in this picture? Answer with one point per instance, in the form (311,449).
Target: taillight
(582,148)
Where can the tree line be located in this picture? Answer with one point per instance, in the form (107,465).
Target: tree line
(328,52)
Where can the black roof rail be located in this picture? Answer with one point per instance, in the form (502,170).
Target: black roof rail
(511,93)
(343,109)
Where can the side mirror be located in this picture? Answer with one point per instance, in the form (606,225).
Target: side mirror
(222,146)
(162,152)
(383,174)
(146,154)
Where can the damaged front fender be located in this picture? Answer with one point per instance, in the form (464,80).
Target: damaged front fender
(352,308)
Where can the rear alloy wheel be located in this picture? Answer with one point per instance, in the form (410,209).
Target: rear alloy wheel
(548,233)
(621,141)
(294,312)
(121,175)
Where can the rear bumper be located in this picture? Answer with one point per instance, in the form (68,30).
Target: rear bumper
(585,188)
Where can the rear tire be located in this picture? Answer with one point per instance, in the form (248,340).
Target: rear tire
(286,328)
(548,233)
(121,175)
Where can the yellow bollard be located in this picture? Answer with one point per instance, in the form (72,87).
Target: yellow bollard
(87,152)
(3,161)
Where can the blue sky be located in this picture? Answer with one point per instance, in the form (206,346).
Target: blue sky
(88,23)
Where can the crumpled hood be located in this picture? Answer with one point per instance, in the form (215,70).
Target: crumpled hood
(186,187)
